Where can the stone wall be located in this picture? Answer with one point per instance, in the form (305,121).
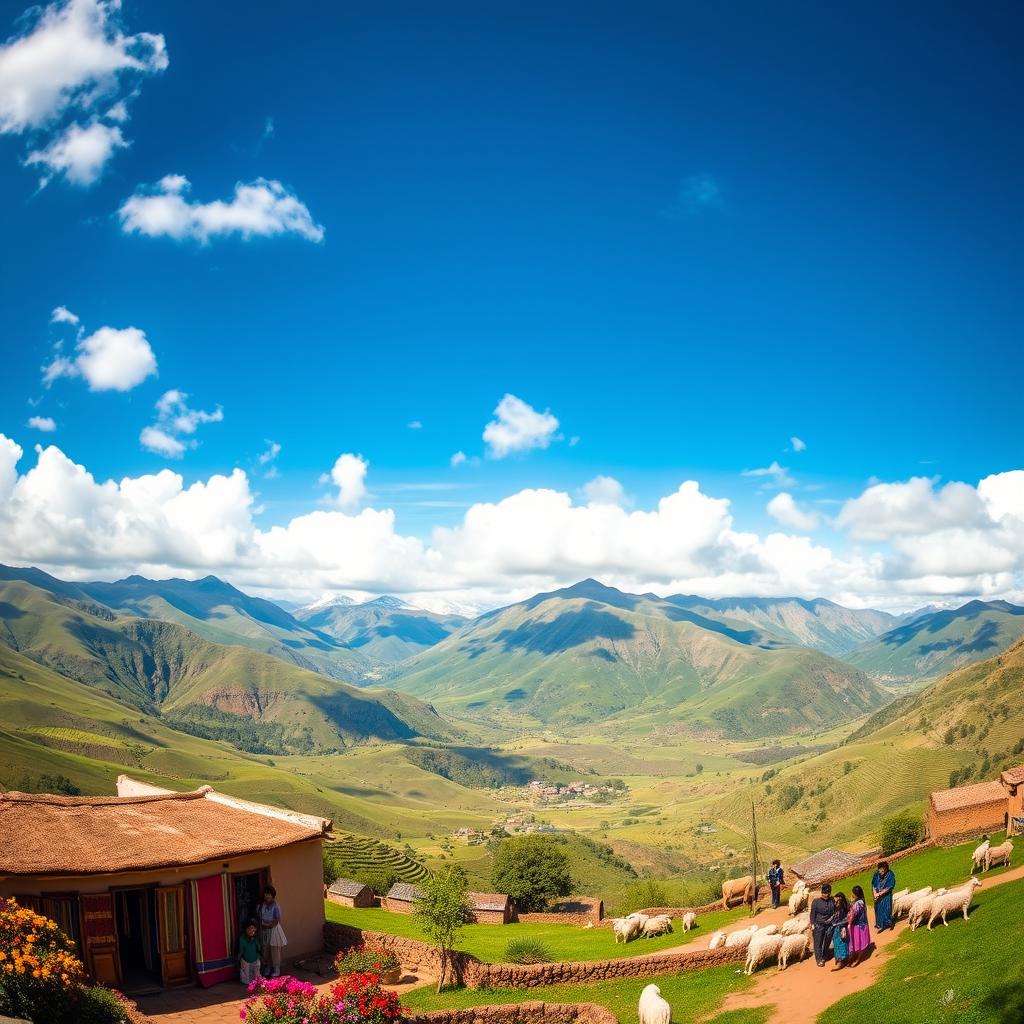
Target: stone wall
(475,974)
(580,911)
(520,1013)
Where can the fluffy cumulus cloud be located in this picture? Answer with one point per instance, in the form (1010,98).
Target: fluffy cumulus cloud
(46,424)
(518,427)
(109,359)
(604,490)
(176,422)
(784,509)
(57,515)
(258,208)
(65,82)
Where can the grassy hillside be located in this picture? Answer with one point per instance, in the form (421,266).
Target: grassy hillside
(251,699)
(355,856)
(591,653)
(940,642)
(213,610)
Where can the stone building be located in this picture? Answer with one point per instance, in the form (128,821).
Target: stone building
(347,893)
(401,898)
(1013,782)
(489,908)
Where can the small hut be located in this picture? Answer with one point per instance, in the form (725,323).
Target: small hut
(401,898)
(489,908)
(966,811)
(826,866)
(347,893)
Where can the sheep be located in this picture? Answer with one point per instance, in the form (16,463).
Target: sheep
(920,911)
(799,897)
(903,901)
(717,940)
(766,929)
(794,947)
(796,925)
(627,928)
(952,901)
(652,1009)
(978,857)
(996,855)
(762,950)
(740,939)
(689,921)
(660,925)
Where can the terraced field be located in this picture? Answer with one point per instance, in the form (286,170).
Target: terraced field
(359,854)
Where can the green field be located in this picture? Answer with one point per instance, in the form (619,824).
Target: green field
(487,942)
(358,854)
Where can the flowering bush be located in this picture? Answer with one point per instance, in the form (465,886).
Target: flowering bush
(356,999)
(366,959)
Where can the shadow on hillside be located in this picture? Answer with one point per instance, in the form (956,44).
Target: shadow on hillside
(940,620)
(570,629)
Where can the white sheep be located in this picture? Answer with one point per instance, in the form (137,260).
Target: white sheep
(996,855)
(628,927)
(978,857)
(652,1009)
(799,897)
(796,925)
(717,940)
(766,929)
(660,925)
(762,950)
(903,901)
(920,911)
(689,921)
(794,947)
(952,901)
(740,939)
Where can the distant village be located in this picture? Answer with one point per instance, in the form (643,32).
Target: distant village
(564,792)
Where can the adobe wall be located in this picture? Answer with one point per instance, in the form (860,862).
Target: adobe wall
(475,974)
(954,826)
(581,911)
(487,917)
(397,906)
(520,1013)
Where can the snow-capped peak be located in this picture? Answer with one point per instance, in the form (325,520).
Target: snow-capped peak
(327,600)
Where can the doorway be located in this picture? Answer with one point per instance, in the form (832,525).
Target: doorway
(138,945)
(247,891)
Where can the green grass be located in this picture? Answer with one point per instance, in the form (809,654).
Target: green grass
(691,994)
(966,973)
(487,942)
(356,854)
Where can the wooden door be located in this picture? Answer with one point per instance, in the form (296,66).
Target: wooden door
(173,940)
(99,937)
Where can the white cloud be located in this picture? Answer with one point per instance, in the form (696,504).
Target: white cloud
(259,208)
(783,509)
(457,459)
(271,453)
(110,359)
(797,444)
(46,424)
(773,475)
(176,422)
(63,315)
(518,427)
(74,58)
(414,425)
(604,490)
(349,475)
(80,153)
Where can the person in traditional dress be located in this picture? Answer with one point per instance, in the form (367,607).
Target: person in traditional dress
(883,882)
(272,936)
(776,877)
(857,927)
(840,932)
(822,909)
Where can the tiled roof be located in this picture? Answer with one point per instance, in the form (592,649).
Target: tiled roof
(1013,776)
(83,835)
(403,891)
(346,887)
(826,865)
(487,900)
(968,796)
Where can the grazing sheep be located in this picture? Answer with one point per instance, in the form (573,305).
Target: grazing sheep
(952,901)
(652,1009)
(660,925)
(629,927)
(920,911)
(978,857)
(903,901)
(996,855)
(796,925)
(766,929)
(794,947)
(689,921)
(740,939)
(762,950)
(799,897)
(717,940)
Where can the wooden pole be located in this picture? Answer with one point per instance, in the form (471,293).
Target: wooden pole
(753,857)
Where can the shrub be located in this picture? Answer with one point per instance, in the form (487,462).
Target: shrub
(899,831)
(379,880)
(790,795)
(641,895)
(368,958)
(527,951)
(355,998)
(532,870)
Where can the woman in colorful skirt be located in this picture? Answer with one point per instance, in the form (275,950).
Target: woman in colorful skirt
(840,932)
(857,925)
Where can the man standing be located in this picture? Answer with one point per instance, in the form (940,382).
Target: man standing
(776,878)
(823,909)
(883,881)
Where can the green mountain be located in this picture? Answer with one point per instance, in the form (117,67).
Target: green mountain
(938,642)
(385,630)
(592,654)
(820,624)
(215,610)
(252,699)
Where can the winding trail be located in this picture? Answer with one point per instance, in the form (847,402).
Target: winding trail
(799,994)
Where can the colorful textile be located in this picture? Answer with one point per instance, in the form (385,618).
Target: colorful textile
(840,946)
(860,934)
(883,904)
(211,930)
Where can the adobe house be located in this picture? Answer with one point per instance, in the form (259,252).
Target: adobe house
(489,908)
(1013,782)
(153,886)
(967,811)
(401,898)
(347,893)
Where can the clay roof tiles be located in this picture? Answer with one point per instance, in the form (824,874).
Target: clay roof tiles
(968,796)
(826,865)
(487,900)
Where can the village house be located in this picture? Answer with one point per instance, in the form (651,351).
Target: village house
(1013,782)
(153,886)
(825,866)
(401,898)
(347,893)
(489,908)
(965,811)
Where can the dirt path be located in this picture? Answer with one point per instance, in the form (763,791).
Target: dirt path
(799,994)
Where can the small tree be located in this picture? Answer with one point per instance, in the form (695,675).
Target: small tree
(899,831)
(441,910)
(532,870)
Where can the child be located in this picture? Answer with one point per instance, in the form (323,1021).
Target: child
(248,955)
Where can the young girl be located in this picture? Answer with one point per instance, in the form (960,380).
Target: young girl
(248,955)
(840,932)
(857,922)
(272,936)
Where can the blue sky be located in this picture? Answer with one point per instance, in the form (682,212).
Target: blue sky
(691,232)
